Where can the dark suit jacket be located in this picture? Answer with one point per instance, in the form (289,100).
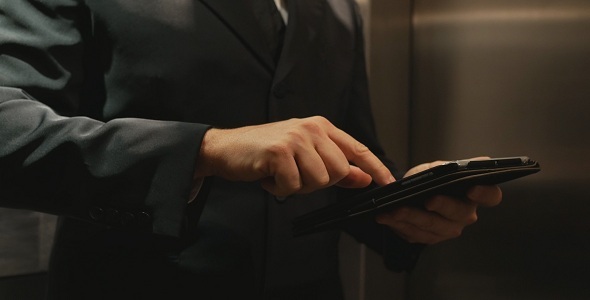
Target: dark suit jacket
(103,106)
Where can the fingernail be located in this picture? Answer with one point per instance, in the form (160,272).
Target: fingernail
(391,179)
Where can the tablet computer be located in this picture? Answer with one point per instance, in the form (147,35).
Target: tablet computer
(451,178)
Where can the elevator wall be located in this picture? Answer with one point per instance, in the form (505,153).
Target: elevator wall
(387,39)
(504,78)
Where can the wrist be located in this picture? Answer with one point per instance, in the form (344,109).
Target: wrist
(205,159)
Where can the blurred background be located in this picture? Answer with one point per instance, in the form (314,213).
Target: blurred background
(453,79)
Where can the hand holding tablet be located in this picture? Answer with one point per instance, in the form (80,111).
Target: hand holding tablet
(451,178)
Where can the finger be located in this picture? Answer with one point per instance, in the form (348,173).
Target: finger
(480,158)
(361,156)
(285,179)
(454,209)
(413,234)
(312,170)
(425,221)
(356,178)
(341,172)
(486,195)
(423,167)
(433,164)
(334,160)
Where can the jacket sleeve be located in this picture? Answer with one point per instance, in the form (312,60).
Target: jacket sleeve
(125,172)
(398,254)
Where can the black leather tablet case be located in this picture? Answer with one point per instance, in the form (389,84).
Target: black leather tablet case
(452,178)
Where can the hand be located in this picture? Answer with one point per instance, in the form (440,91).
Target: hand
(292,156)
(444,218)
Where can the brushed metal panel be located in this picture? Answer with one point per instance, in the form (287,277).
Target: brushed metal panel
(389,75)
(387,39)
(389,71)
(501,78)
(508,78)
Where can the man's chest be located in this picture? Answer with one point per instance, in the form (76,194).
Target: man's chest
(197,58)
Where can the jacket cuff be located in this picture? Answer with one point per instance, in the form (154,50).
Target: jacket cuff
(168,198)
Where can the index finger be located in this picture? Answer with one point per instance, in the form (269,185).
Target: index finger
(486,195)
(361,156)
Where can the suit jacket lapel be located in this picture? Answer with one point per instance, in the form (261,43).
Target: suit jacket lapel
(304,16)
(236,15)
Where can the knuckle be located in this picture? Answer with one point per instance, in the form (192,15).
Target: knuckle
(294,136)
(339,173)
(296,188)
(472,218)
(456,232)
(316,128)
(260,167)
(320,120)
(292,187)
(279,150)
(321,181)
(360,149)
(312,126)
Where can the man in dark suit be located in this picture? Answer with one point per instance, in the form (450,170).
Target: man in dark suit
(178,148)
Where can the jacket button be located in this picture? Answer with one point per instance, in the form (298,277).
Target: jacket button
(96,213)
(280,91)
